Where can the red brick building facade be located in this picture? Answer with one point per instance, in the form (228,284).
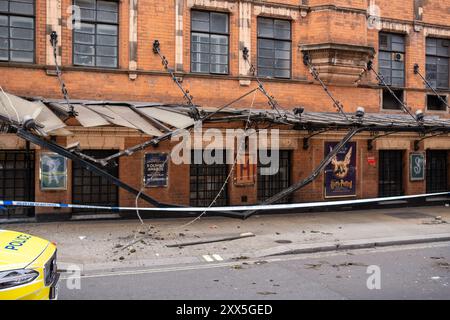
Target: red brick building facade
(112,59)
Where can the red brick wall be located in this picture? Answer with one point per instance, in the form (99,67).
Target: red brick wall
(341,21)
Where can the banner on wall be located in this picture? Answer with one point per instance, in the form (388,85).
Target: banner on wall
(53,172)
(340,174)
(155,170)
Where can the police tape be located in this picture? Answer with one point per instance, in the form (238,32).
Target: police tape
(225,208)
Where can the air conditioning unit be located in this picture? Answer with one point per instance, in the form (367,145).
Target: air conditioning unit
(398,56)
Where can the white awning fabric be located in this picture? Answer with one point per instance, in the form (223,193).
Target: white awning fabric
(150,118)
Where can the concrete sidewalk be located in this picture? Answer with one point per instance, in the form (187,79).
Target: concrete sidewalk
(105,245)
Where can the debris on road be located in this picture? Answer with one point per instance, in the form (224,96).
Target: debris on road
(314,266)
(240,258)
(444,265)
(283,241)
(266,293)
(436,220)
(241,236)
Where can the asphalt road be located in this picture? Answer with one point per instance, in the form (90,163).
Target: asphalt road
(406,272)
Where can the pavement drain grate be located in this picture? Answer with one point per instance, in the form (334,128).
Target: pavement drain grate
(408,215)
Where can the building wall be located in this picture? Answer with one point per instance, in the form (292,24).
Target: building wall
(313,22)
(140,76)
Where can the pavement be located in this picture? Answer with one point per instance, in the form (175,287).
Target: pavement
(121,244)
(419,271)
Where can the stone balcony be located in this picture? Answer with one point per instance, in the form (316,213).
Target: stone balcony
(339,64)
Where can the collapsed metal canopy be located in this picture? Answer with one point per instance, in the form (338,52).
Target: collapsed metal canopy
(161,121)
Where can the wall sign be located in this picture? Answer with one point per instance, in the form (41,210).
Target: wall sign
(340,174)
(371,161)
(155,170)
(53,172)
(416,166)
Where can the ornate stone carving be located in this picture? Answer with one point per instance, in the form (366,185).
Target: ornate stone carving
(339,64)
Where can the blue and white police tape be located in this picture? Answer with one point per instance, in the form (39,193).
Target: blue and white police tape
(226,208)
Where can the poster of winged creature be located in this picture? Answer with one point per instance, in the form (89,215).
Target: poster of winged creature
(340,174)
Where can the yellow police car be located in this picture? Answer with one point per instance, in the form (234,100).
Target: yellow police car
(27,267)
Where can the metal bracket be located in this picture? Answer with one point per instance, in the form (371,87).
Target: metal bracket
(195,114)
(306,139)
(370,141)
(337,104)
(54,43)
(417,142)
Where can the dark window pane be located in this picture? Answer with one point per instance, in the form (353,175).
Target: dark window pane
(3,20)
(219,22)
(107,16)
(436,102)
(86,28)
(4,44)
(3,54)
(282,29)
(84,38)
(21,22)
(3,5)
(200,21)
(22,56)
(84,49)
(106,62)
(266,53)
(200,67)
(107,6)
(265,63)
(218,49)
(218,59)
(282,73)
(265,28)
(84,60)
(200,37)
(107,51)
(265,72)
(106,40)
(21,8)
(443,51)
(219,68)
(86,14)
(389,101)
(200,47)
(266,44)
(282,64)
(384,43)
(200,57)
(107,29)
(3,32)
(216,39)
(21,33)
(21,45)
(90,4)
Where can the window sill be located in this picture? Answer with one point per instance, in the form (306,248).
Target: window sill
(150,72)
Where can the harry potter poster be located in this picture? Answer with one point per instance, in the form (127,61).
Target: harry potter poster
(340,174)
